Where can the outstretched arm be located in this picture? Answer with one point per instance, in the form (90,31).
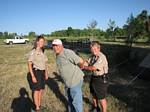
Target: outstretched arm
(31,72)
(90,68)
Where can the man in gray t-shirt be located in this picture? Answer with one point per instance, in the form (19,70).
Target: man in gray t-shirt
(68,65)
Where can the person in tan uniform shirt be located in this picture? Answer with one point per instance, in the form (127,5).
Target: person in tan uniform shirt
(37,70)
(98,65)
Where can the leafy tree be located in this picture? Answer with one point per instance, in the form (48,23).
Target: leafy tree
(92,24)
(70,32)
(148,28)
(130,29)
(61,33)
(77,32)
(84,32)
(31,34)
(13,34)
(136,27)
(6,34)
(1,34)
(142,20)
(119,32)
(148,24)
(111,28)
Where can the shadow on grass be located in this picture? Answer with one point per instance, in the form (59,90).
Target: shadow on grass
(23,103)
(53,85)
(137,98)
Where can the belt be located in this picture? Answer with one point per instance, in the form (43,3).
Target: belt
(103,77)
(99,76)
(37,69)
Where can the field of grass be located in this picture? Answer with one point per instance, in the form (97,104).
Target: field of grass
(13,77)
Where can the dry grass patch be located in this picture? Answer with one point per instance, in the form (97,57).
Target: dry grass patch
(13,75)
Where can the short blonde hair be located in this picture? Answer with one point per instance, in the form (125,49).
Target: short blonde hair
(95,43)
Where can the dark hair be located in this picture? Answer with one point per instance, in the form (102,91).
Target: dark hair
(37,39)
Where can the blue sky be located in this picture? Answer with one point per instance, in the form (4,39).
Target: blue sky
(46,16)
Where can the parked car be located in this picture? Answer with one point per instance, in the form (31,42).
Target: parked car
(16,40)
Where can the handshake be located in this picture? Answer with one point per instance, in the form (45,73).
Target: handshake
(86,66)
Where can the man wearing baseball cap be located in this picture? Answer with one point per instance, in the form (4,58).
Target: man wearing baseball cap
(68,65)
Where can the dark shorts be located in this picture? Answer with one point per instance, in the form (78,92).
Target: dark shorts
(40,76)
(98,88)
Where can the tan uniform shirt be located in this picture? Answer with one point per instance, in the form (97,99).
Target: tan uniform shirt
(38,58)
(100,63)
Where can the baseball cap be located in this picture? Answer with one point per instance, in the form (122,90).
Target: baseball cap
(56,42)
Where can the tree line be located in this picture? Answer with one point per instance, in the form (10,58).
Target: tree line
(137,27)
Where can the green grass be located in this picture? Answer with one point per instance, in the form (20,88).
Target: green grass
(1,41)
(13,72)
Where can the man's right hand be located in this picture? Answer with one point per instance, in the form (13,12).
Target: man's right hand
(82,63)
